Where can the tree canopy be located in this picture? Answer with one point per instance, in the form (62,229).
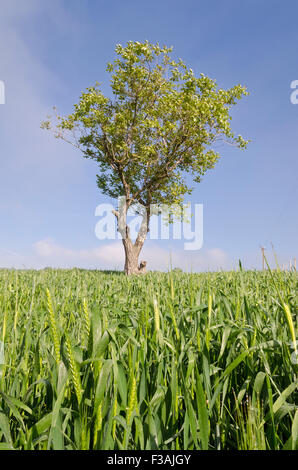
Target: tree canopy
(161,124)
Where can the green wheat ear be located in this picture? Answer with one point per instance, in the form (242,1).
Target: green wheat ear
(53,325)
(156,315)
(74,371)
(86,318)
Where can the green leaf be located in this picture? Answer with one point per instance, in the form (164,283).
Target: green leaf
(192,422)
(225,338)
(259,381)
(5,446)
(202,412)
(122,385)
(56,420)
(101,345)
(102,383)
(5,428)
(235,363)
(284,395)
(295,432)
(13,408)
(42,425)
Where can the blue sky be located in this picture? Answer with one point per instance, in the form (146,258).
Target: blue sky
(51,51)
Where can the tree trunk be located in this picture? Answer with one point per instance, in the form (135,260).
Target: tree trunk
(132,250)
(131,258)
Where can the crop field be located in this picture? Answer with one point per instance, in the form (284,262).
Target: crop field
(99,360)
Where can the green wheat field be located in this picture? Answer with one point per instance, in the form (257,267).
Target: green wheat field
(99,360)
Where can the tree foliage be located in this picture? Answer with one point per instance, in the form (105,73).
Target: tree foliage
(161,124)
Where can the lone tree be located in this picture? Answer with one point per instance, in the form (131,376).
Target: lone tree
(160,126)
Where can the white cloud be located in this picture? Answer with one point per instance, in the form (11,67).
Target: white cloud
(111,256)
(48,248)
(50,252)
(203,260)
